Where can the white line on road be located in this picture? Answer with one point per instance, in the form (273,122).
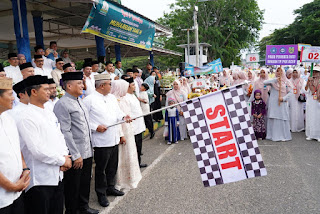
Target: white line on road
(145,173)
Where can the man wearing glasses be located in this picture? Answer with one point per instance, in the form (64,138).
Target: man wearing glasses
(56,73)
(48,64)
(39,69)
(13,70)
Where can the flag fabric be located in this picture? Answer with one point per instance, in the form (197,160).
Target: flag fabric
(223,139)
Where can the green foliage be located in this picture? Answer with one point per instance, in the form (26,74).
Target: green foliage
(5,63)
(262,46)
(227,25)
(304,29)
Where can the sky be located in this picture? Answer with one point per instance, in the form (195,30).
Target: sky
(278,13)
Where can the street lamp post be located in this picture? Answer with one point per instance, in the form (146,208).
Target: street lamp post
(196,33)
(196,29)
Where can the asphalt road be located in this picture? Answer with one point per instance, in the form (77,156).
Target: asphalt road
(172,183)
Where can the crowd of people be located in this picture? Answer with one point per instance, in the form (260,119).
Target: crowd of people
(281,102)
(49,143)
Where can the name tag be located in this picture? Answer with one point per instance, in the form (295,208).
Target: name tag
(295,91)
(315,97)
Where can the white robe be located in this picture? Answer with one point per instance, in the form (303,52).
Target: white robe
(312,117)
(278,126)
(128,174)
(296,114)
(90,83)
(14,73)
(42,71)
(10,161)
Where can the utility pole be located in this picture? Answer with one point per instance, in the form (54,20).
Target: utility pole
(188,46)
(196,33)
(196,29)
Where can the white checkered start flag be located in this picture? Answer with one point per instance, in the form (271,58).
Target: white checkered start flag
(223,139)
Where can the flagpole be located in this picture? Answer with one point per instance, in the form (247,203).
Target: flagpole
(164,108)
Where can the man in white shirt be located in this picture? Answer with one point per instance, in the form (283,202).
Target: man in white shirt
(87,71)
(110,70)
(27,70)
(104,111)
(95,67)
(135,74)
(13,70)
(145,106)
(118,70)
(20,91)
(44,150)
(14,174)
(48,64)
(53,54)
(138,124)
(56,73)
(39,69)
(53,95)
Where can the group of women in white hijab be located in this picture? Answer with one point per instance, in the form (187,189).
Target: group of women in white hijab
(284,96)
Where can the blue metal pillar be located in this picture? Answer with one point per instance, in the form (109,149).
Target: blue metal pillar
(19,9)
(118,52)
(38,27)
(151,58)
(100,46)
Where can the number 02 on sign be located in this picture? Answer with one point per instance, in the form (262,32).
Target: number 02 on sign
(310,54)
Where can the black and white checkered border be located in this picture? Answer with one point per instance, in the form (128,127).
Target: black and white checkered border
(237,107)
(202,144)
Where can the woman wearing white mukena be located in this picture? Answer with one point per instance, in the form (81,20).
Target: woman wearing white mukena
(313,106)
(296,107)
(138,124)
(14,175)
(278,126)
(129,174)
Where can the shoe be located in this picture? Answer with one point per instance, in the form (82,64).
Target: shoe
(308,138)
(90,211)
(169,143)
(114,192)
(103,201)
(176,142)
(143,165)
(152,135)
(141,154)
(318,140)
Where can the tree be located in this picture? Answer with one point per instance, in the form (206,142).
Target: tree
(304,29)
(263,46)
(227,25)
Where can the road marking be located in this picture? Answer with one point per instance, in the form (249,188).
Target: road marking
(145,173)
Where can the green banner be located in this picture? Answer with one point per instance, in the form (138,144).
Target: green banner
(119,25)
